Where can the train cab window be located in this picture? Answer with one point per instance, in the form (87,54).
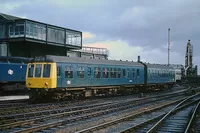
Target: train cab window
(80,72)
(30,70)
(89,71)
(97,73)
(38,70)
(46,70)
(119,73)
(69,72)
(113,73)
(133,73)
(128,72)
(124,72)
(105,72)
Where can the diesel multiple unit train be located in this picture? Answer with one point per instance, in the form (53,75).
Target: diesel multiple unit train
(61,77)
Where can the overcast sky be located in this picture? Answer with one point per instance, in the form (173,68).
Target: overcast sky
(128,28)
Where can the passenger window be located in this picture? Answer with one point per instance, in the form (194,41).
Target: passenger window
(80,72)
(113,73)
(97,72)
(105,72)
(38,70)
(46,70)
(133,73)
(58,70)
(128,72)
(119,73)
(124,72)
(68,72)
(89,71)
(30,70)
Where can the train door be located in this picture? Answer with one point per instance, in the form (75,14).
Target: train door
(89,75)
(60,76)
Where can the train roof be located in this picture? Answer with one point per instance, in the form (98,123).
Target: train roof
(12,59)
(161,66)
(53,58)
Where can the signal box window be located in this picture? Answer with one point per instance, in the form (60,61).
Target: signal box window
(68,72)
(124,72)
(113,73)
(30,70)
(97,72)
(105,72)
(47,70)
(80,72)
(38,70)
(119,73)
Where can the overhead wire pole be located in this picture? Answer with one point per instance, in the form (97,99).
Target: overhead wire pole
(168,46)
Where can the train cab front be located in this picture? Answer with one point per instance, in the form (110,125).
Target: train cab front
(40,78)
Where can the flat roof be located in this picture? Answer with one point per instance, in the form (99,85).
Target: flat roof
(14,18)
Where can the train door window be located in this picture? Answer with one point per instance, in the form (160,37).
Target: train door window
(138,73)
(69,72)
(58,71)
(80,72)
(97,72)
(113,73)
(30,70)
(105,72)
(89,71)
(133,73)
(46,70)
(128,72)
(119,73)
(38,70)
(124,72)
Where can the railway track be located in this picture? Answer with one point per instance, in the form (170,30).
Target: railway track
(50,121)
(176,120)
(28,109)
(193,125)
(118,125)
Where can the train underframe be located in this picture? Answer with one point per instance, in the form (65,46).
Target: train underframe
(12,88)
(88,92)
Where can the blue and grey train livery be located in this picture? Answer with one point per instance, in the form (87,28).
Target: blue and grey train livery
(60,76)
